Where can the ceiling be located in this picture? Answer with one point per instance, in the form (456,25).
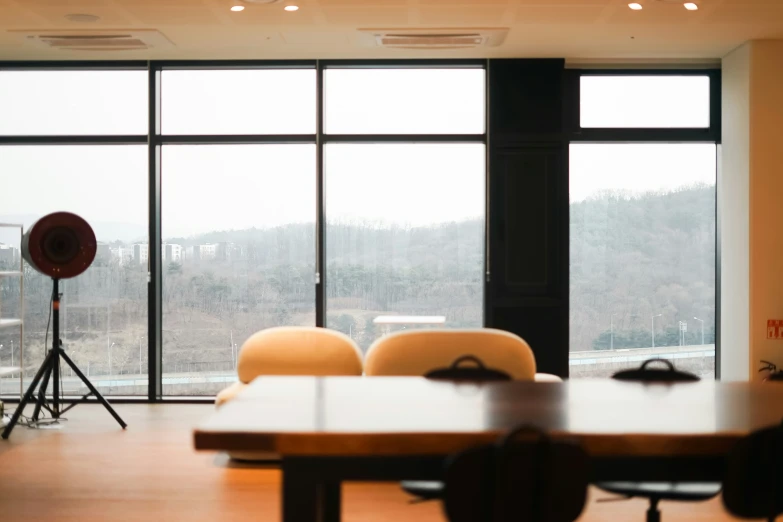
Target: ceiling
(580,30)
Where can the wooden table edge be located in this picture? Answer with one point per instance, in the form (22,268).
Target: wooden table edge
(391,444)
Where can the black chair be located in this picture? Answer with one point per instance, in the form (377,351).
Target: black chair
(526,476)
(424,490)
(657,491)
(753,485)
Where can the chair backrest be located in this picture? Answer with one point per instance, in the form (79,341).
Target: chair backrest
(468,368)
(418,352)
(647,373)
(298,350)
(753,485)
(525,476)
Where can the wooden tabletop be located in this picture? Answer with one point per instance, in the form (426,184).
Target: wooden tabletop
(355,416)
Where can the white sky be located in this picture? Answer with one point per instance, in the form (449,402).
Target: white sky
(213,187)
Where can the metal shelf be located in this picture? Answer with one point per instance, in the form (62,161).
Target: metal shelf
(11,322)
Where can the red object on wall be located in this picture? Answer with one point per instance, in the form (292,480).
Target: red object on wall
(774,329)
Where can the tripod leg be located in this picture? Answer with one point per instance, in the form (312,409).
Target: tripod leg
(45,368)
(93,389)
(41,402)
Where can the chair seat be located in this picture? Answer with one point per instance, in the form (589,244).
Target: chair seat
(423,489)
(687,491)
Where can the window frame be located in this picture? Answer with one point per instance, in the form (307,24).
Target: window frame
(155,140)
(711,135)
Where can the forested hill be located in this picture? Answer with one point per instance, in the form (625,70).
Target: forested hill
(359,243)
(637,257)
(631,256)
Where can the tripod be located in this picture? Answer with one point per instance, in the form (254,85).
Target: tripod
(50,369)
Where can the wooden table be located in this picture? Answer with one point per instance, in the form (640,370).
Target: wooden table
(335,429)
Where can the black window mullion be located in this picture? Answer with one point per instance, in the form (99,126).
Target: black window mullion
(404,138)
(155,285)
(320,218)
(74,140)
(236,139)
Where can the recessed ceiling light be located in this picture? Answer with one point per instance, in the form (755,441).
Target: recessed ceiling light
(635,6)
(291,8)
(690,6)
(238,8)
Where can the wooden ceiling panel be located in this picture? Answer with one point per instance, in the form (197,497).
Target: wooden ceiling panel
(589,29)
(12,17)
(474,3)
(559,14)
(485,16)
(359,3)
(56,16)
(273,17)
(164,15)
(367,16)
(748,14)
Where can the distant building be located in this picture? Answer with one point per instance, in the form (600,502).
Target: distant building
(172,253)
(104,251)
(203,252)
(141,253)
(123,255)
(9,255)
(225,251)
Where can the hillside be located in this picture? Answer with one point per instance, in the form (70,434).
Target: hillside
(631,258)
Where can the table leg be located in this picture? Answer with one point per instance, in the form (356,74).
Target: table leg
(307,499)
(300,496)
(331,501)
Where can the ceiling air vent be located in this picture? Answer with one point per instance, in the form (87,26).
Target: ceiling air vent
(435,38)
(101,40)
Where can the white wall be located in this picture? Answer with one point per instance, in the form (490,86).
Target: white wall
(750,200)
(734,215)
(766,199)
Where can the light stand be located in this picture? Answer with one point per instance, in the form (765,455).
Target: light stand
(50,369)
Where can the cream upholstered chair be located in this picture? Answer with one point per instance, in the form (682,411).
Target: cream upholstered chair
(294,350)
(416,352)
(291,350)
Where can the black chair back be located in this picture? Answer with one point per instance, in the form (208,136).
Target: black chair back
(475,370)
(526,476)
(649,374)
(753,486)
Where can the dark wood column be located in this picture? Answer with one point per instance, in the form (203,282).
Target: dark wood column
(527,291)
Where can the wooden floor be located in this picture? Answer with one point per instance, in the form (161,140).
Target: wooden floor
(91,470)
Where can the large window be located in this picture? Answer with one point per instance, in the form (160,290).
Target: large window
(367,217)
(104,310)
(238,254)
(405,218)
(405,237)
(642,256)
